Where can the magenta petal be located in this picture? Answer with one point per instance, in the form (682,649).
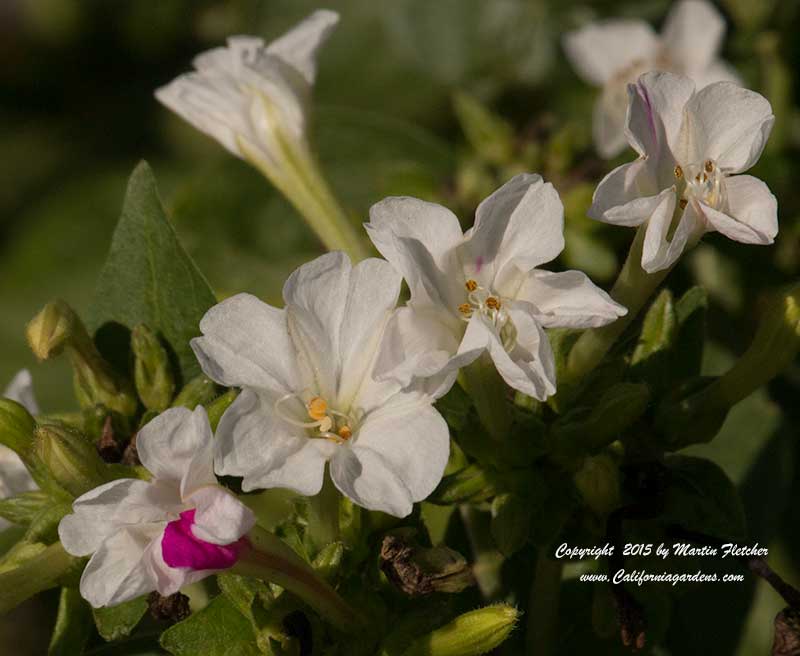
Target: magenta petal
(181,548)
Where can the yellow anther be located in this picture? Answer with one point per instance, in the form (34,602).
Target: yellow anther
(493,303)
(697,178)
(317,408)
(471,285)
(345,433)
(678,172)
(683,203)
(709,166)
(465,308)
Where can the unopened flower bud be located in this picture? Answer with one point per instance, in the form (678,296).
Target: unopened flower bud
(16,426)
(198,391)
(418,570)
(57,328)
(599,484)
(152,371)
(471,634)
(71,461)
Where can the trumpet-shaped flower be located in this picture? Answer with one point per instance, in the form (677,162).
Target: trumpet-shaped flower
(161,534)
(692,147)
(309,396)
(252,97)
(613,53)
(14,476)
(483,291)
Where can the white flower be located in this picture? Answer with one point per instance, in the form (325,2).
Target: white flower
(612,53)
(14,476)
(252,97)
(691,147)
(482,291)
(309,396)
(159,535)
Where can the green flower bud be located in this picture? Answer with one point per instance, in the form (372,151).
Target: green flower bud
(218,407)
(599,484)
(152,371)
(418,570)
(16,426)
(57,328)
(471,634)
(198,391)
(511,522)
(71,461)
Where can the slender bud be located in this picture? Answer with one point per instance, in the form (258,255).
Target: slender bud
(471,634)
(198,391)
(218,406)
(599,484)
(57,328)
(469,484)
(70,459)
(511,522)
(418,570)
(16,426)
(152,371)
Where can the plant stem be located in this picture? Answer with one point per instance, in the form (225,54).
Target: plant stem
(543,606)
(39,573)
(488,392)
(270,559)
(632,289)
(323,514)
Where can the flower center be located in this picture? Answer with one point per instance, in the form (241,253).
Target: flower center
(491,306)
(700,182)
(326,422)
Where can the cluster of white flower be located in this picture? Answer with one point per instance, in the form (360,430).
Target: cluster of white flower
(343,377)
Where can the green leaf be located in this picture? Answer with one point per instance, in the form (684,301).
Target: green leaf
(118,621)
(148,277)
(217,630)
(73,628)
(511,518)
(700,497)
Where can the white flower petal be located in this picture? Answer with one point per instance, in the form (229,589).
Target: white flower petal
(369,480)
(601,50)
(420,240)
(220,517)
(608,124)
(372,295)
(116,572)
(103,511)
(14,477)
(255,443)
(752,211)
(692,35)
(315,296)
(655,116)
(657,252)
(20,389)
(568,300)
(299,46)
(245,343)
(412,440)
(718,71)
(618,197)
(729,125)
(518,227)
(177,447)
(416,344)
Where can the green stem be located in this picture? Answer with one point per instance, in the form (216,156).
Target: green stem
(323,514)
(632,289)
(488,392)
(272,560)
(487,560)
(542,628)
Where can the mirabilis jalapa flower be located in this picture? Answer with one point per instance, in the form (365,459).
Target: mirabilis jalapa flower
(692,146)
(613,53)
(161,534)
(482,291)
(308,394)
(14,476)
